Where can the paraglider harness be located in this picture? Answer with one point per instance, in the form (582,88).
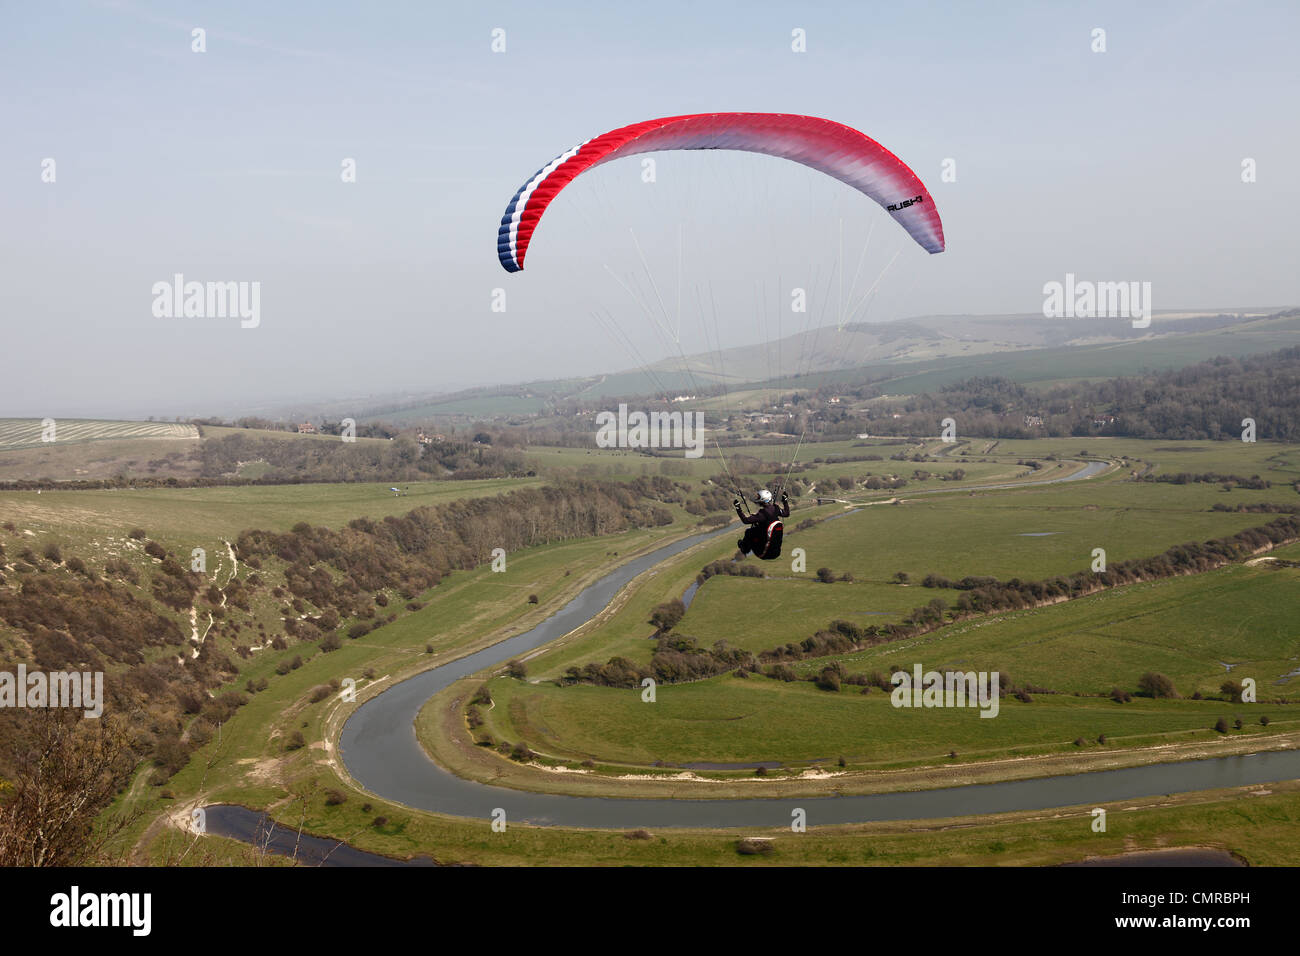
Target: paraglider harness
(763,538)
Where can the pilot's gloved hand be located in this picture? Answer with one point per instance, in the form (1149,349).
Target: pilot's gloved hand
(735,503)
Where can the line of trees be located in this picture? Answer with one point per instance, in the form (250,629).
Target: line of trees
(1208,400)
(412,552)
(983,595)
(1254,482)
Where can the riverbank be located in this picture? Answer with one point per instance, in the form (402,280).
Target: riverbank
(1207,819)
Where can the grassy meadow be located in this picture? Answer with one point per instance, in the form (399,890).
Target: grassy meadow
(1192,629)
(1197,630)
(1188,628)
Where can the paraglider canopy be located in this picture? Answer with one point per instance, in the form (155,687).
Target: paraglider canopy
(840,152)
(832,148)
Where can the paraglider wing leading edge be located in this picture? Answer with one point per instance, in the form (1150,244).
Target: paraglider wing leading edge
(829,147)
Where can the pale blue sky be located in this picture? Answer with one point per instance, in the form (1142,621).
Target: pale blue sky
(225,166)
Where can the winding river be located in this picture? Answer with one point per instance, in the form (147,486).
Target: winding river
(378,746)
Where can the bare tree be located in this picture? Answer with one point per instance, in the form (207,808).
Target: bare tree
(62,771)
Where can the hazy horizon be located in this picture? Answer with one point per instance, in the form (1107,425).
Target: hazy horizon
(225,166)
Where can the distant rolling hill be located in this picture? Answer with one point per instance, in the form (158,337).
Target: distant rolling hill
(930,338)
(1078,360)
(905,356)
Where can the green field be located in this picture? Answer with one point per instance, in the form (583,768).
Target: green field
(1279,463)
(1182,627)
(1187,628)
(184,514)
(1190,629)
(731,721)
(994,533)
